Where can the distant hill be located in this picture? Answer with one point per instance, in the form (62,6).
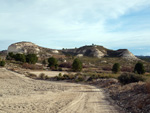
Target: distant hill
(90,51)
(145,58)
(99,52)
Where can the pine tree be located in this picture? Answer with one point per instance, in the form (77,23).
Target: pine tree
(77,65)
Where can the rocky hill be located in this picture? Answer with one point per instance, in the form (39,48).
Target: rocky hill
(28,47)
(90,51)
(99,52)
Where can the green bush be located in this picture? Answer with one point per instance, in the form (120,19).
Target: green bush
(77,65)
(65,77)
(127,78)
(2,63)
(139,68)
(31,58)
(10,56)
(60,77)
(52,63)
(19,57)
(116,68)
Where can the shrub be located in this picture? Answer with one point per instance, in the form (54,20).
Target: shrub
(65,65)
(77,65)
(32,66)
(80,78)
(59,77)
(31,75)
(2,63)
(52,63)
(127,78)
(31,58)
(20,57)
(65,77)
(139,68)
(116,68)
(127,69)
(10,56)
(43,76)
(107,68)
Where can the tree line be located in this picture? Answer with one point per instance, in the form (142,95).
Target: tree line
(29,58)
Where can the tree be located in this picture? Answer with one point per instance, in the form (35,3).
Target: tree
(10,56)
(2,63)
(139,68)
(116,68)
(20,57)
(31,58)
(52,63)
(77,65)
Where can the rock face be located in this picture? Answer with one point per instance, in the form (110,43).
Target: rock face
(126,54)
(99,52)
(91,51)
(31,48)
(23,47)
(123,53)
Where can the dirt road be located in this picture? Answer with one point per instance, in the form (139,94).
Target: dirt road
(19,94)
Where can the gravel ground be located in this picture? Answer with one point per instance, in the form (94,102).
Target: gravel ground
(19,94)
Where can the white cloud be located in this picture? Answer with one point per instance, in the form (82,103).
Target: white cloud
(70,20)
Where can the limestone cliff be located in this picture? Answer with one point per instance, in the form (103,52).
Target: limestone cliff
(31,48)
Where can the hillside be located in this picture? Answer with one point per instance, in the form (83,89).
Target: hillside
(89,51)
(99,52)
(145,58)
(31,48)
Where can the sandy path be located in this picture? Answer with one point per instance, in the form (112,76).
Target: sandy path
(19,94)
(48,73)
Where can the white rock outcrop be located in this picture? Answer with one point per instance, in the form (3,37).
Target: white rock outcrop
(23,47)
(97,53)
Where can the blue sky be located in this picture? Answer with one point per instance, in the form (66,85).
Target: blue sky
(61,24)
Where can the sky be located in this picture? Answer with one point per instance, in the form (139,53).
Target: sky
(57,24)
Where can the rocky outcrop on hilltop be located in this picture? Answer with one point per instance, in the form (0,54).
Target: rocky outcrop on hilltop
(99,52)
(91,51)
(24,47)
(30,48)
(123,53)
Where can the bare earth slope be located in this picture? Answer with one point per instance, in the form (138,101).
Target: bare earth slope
(19,94)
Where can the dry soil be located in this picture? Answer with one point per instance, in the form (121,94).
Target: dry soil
(19,94)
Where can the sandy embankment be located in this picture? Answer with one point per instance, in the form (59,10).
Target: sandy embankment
(19,94)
